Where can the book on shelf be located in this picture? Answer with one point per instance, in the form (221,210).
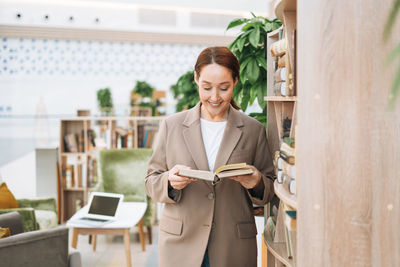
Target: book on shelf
(288,243)
(280,75)
(291,220)
(222,172)
(287,149)
(289,141)
(288,158)
(70,143)
(282,61)
(279,88)
(289,183)
(287,168)
(278,48)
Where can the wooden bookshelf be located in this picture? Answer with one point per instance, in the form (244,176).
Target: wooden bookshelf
(78,168)
(285,196)
(278,249)
(281,112)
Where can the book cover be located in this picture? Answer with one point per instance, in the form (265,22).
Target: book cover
(287,168)
(222,172)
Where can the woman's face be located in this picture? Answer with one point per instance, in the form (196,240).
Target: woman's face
(215,90)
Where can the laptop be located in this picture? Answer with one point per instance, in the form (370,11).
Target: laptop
(102,209)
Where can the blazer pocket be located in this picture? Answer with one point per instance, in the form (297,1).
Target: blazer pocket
(247,230)
(171,226)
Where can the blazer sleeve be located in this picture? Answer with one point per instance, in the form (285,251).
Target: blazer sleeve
(263,162)
(156,181)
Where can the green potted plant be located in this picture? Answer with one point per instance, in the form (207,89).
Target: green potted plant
(185,90)
(249,48)
(104,100)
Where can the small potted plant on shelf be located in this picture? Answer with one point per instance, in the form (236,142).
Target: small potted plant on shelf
(104,100)
(142,96)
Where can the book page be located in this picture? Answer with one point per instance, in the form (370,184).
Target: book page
(231,167)
(205,175)
(236,172)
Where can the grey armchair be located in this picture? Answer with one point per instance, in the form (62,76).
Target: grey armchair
(36,248)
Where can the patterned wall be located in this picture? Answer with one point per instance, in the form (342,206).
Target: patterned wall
(37,57)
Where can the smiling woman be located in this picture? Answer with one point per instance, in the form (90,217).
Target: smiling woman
(204,224)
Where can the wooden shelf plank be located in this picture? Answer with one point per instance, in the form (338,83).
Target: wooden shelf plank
(280,98)
(284,195)
(279,251)
(284,5)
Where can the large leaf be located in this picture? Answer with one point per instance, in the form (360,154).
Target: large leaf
(245,99)
(260,95)
(244,63)
(253,71)
(254,37)
(262,61)
(240,43)
(394,11)
(236,22)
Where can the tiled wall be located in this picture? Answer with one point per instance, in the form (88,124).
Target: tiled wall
(66,74)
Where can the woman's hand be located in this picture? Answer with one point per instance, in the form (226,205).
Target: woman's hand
(176,181)
(249,181)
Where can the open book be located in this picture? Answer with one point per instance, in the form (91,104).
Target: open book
(222,172)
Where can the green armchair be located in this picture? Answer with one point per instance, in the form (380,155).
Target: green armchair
(40,213)
(123,171)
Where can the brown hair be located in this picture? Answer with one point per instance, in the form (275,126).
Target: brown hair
(220,55)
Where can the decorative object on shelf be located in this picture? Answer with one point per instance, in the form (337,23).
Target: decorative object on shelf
(104,100)
(185,91)
(249,47)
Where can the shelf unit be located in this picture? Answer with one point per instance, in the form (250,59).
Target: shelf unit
(77,169)
(280,108)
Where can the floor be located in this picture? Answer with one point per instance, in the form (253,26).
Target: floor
(110,251)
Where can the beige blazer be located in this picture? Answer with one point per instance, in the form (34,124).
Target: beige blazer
(201,215)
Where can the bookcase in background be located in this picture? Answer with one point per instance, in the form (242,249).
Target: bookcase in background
(80,140)
(279,239)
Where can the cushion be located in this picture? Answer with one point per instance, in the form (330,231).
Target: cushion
(7,199)
(4,232)
(46,219)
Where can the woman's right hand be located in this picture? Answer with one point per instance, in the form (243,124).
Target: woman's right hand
(176,181)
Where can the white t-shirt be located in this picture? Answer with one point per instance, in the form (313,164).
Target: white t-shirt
(212,132)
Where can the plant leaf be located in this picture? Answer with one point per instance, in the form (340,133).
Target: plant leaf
(252,71)
(393,54)
(260,95)
(254,37)
(254,16)
(394,11)
(240,43)
(262,61)
(236,22)
(245,99)
(244,63)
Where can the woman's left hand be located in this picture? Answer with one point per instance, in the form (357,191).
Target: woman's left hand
(249,181)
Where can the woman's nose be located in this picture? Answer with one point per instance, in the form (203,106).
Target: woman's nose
(214,95)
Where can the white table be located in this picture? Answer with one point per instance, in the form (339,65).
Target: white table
(128,215)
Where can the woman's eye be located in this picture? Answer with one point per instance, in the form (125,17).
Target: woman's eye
(224,89)
(207,88)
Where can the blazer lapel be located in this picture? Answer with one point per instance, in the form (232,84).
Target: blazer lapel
(193,139)
(231,137)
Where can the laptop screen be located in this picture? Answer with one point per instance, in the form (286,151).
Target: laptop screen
(104,205)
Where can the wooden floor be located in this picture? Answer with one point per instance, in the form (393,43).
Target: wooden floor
(110,251)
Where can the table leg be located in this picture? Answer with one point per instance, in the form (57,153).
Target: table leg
(141,235)
(94,240)
(127,242)
(74,237)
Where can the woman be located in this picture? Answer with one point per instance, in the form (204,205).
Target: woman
(204,224)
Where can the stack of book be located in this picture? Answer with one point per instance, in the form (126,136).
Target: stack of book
(74,142)
(283,79)
(284,162)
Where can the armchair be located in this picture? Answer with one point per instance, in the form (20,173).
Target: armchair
(40,213)
(36,248)
(123,171)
